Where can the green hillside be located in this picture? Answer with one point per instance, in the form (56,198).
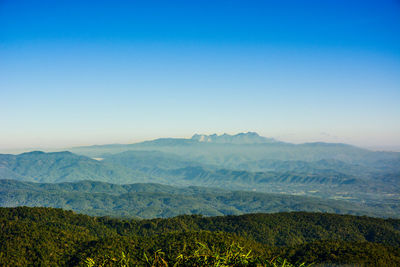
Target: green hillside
(151,200)
(62,167)
(48,237)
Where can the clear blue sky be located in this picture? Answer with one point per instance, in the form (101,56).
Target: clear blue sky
(74,73)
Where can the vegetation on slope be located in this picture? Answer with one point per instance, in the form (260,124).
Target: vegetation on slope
(48,237)
(155,200)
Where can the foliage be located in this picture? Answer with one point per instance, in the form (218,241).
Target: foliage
(54,237)
(234,255)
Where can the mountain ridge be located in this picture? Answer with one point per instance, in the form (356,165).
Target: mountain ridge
(240,138)
(151,200)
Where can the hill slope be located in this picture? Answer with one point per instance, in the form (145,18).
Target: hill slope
(47,237)
(155,200)
(64,166)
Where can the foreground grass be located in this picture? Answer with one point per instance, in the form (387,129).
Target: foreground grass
(234,255)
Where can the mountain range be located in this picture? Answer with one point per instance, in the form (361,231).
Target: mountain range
(149,200)
(240,138)
(241,162)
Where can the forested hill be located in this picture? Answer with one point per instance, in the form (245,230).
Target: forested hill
(47,236)
(150,200)
(373,180)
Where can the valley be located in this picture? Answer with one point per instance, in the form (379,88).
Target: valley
(209,175)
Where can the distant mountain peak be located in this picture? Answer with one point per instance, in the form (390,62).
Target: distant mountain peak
(35,152)
(240,138)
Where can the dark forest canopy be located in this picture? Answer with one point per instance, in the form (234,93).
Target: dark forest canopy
(50,236)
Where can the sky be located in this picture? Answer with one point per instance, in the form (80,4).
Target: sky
(96,72)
